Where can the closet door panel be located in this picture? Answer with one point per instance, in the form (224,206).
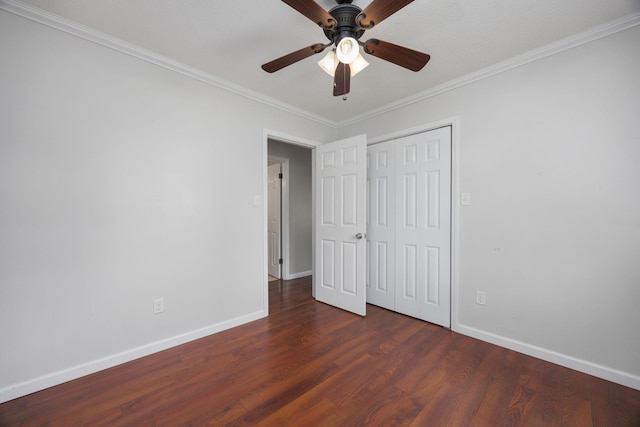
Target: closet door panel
(381,225)
(423,207)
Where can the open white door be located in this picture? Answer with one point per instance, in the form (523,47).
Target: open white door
(340,206)
(274,193)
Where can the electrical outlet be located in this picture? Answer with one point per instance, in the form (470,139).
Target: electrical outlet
(481,298)
(158,305)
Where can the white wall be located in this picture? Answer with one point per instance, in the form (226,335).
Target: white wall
(300,225)
(121,182)
(550,153)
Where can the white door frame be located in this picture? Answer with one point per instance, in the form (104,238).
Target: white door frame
(293,140)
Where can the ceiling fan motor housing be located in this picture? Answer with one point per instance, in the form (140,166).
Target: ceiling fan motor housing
(345,15)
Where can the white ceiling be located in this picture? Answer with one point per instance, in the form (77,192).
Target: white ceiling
(231,39)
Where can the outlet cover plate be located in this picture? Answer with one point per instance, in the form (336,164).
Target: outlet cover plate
(158,305)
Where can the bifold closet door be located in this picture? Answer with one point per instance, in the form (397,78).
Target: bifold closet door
(423,226)
(381,225)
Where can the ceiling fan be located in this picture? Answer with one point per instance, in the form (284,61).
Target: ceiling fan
(343,25)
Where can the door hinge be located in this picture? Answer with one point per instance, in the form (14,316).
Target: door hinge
(280,261)
(280,175)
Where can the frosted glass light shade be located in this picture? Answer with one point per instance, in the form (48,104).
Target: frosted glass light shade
(358,65)
(347,50)
(330,62)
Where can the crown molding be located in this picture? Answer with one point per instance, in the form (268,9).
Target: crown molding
(571,42)
(54,21)
(43,17)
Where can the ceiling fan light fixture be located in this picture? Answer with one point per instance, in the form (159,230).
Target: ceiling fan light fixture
(329,63)
(347,50)
(358,65)
(343,25)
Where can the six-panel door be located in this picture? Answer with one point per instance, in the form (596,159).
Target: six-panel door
(340,248)
(409,225)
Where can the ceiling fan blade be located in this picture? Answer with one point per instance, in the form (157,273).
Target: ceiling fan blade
(379,10)
(293,57)
(342,80)
(313,11)
(402,56)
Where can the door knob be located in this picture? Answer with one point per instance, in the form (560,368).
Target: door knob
(359,236)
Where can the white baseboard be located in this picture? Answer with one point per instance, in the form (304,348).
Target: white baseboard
(609,374)
(31,386)
(298,275)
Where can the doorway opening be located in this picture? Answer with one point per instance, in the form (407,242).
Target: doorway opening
(288,209)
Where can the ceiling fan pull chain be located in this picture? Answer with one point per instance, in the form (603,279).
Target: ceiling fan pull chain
(344,82)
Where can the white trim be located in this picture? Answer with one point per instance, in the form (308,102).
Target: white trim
(300,274)
(265,223)
(38,15)
(31,386)
(610,374)
(56,22)
(290,139)
(449,121)
(313,223)
(455,220)
(571,42)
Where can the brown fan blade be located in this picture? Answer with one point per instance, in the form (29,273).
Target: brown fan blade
(402,56)
(379,10)
(342,80)
(293,57)
(313,11)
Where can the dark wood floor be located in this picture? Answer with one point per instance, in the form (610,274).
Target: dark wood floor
(309,364)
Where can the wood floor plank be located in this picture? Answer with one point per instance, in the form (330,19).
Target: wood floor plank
(613,405)
(314,413)
(457,401)
(503,387)
(430,369)
(331,388)
(308,363)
